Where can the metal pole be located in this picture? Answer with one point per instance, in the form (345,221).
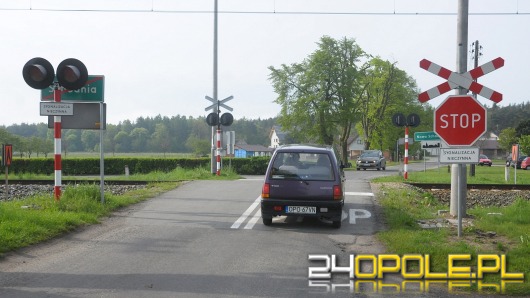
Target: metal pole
(101,154)
(213,158)
(461,63)
(406,161)
(57,146)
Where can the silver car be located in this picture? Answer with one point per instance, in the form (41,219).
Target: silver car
(371,159)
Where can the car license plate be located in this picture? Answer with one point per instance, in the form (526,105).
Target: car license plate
(301,209)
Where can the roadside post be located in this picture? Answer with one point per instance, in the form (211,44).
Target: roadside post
(7,158)
(213,119)
(515,158)
(72,74)
(460,121)
(400,120)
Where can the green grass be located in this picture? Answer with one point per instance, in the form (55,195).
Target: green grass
(483,175)
(403,207)
(177,174)
(39,218)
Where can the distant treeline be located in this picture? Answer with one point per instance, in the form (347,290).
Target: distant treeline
(181,134)
(150,134)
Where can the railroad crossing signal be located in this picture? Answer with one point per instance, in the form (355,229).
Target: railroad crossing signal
(219,102)
(465,80)
(460,120)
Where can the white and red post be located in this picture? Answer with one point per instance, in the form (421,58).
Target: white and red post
(218,152)
(57,147)
(406,161)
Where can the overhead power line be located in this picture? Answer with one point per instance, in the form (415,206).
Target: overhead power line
(273,12)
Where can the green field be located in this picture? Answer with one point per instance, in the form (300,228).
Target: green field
(508,227)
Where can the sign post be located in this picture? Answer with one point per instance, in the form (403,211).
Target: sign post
(7,158)
(460,120)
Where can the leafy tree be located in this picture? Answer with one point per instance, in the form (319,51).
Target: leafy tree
(161,138)
(200,147)
(89,140)
(386,88)
(139,137)
(524,144)
(318,96)
(507,138)
(122,141)
(523,129)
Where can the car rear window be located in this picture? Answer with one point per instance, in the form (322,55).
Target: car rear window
(302,166)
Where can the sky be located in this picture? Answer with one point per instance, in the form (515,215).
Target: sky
(157,55)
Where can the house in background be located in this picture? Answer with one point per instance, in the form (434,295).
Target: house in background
(489,145)
(244,150)
(277,137)
(355,146)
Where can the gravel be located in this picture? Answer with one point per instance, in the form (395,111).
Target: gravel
(483,198)
(17,191)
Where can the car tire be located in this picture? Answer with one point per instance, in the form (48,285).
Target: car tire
(267,221)
(384,168)
(364,169)
(489,165)
(379,169)
(358,169)
(336,224)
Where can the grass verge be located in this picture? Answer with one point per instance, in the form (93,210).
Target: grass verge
(403,206)
(39,218)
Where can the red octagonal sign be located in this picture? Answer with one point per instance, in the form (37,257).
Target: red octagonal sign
(460,120)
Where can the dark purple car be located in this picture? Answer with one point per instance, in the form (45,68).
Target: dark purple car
(303,180)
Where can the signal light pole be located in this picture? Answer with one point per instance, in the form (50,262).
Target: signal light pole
(72,75)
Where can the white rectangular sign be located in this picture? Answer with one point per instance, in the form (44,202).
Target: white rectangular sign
(459,155)
(56,109)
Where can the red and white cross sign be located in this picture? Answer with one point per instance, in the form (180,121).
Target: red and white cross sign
(465,80)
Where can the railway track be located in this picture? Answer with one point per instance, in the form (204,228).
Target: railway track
(473,186)
(79,181)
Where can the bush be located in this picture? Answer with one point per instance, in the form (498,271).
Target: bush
(116,166)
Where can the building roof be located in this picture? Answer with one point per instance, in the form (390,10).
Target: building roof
(281,135)
(254,148)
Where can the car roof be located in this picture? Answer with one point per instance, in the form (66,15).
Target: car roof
(303,148)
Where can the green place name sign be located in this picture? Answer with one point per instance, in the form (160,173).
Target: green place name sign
(425,136)
(93,91)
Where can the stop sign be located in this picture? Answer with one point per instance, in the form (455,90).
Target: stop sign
(460,120)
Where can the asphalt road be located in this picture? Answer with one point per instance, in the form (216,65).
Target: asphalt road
(203,239)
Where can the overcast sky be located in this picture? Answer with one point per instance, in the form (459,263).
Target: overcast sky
(157,55)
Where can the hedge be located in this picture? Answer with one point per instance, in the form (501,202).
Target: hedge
(116,166)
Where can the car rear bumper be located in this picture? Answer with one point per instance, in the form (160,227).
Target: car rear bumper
(331,210)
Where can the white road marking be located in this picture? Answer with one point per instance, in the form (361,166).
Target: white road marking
(358,213)
(250,224)
(245,214)
(351,193)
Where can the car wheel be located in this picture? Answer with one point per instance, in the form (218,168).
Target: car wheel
(358,169)
(489,165)
(337,224)
(379,169)
(267,221)
(364,169)
(384,168)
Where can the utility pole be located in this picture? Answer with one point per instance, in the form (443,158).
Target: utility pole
(459,171)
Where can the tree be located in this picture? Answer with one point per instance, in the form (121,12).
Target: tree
(139,137)
(507,138)
(523,129)
(200,147)
(161,138)
(318,96)
(386,88)
(524,144)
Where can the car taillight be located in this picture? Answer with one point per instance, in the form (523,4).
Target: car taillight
(265,191)
(337,192)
